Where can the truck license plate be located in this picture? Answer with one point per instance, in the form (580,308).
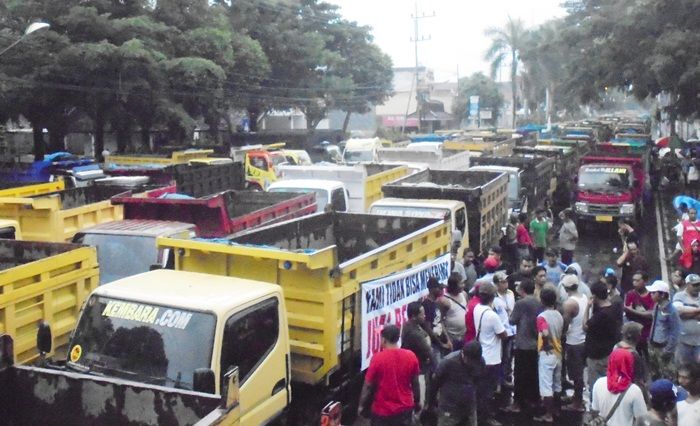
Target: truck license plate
(603,218)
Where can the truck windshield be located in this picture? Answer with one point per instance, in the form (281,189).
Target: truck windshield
(604,179)
(406,211)
(321,195)
(121,256)
(142,342)
(359,156)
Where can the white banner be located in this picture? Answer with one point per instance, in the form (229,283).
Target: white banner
(384,300)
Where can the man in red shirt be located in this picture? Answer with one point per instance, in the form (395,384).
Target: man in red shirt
(392,377)
(639,307)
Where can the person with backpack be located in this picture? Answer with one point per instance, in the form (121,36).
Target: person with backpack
(615,397)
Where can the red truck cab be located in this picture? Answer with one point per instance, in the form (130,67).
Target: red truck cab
(610,187)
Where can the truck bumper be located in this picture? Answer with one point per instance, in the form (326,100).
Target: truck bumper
(601,218)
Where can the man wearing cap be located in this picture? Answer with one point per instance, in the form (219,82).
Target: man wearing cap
(663,398)
(575,346)
(687,303)
(665,329)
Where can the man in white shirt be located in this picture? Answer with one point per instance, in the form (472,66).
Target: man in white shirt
(689,409)
(489,332)
(503,304)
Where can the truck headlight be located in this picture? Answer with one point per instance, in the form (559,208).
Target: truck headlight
(627,209)
(581,207)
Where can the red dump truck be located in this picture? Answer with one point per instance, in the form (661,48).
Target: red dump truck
(610,186)
(128,247)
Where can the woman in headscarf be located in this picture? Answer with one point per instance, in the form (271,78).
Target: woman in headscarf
(618,384)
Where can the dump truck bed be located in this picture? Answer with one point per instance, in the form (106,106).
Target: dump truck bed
(220,214)
(538,173)
(43,281)
(320,261)
(57,216)
(155,161)
(27,189)
(484,193)
(434,160)
(363,181)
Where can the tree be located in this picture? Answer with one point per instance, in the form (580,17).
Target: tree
(506,44)
(482,86)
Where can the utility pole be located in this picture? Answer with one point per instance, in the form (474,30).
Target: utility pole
(416,39)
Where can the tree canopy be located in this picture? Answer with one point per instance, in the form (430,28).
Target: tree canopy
(485,88)
(140,65)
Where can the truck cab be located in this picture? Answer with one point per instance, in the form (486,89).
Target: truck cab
(456,211)
(609,188)
(361,150)
(128,247)
(261,164)
(517,196)
(330,194)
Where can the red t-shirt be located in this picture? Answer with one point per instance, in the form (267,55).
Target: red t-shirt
(391,371)
(522,235)
(470,334)
(641,303)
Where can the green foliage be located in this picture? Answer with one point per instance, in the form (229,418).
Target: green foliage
(482,86)
(128,64)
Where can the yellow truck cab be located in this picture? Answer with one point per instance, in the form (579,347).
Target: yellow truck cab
(455,211)
(261,164)
(184,322)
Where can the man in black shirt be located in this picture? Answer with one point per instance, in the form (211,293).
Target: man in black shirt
(456,382)
(600,322)
(524,272)
(415,338)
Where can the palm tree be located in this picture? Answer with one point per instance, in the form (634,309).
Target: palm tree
(506,42)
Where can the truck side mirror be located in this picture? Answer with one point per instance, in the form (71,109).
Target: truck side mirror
(203,380)
(232,388)
(43,338)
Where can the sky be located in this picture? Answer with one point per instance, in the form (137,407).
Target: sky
(456,32)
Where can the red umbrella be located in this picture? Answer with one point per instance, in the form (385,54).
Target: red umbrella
(663,142)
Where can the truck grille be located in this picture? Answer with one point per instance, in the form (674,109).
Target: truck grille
(603,209)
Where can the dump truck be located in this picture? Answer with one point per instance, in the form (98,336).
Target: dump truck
(53,165)
(43,281)
(57,216)
(484,193)
(27,189)
(435,159)
(610,186)
(281,345)
(538,174)
(321,262)
(261,163)
(363,182)
(479,146)
(128,247)
(116,161)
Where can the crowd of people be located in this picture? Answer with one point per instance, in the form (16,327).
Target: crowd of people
(617,349)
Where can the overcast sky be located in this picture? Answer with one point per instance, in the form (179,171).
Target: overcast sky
(456,31)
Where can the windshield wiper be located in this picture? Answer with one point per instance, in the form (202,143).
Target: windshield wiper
(144,378)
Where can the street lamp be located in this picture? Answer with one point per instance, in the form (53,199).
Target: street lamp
(34,26)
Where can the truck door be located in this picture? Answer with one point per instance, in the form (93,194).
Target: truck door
(252,341)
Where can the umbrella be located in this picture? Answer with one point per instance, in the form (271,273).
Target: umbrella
(663,142)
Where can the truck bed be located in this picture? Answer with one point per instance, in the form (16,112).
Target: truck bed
(41,396)
(46,281)
(320,262)
(434,160)
(484,193)
(28,189)
(221,214)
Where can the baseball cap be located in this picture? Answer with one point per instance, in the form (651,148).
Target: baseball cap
(659,285)
(569,280)
(434,283)
(692,278)
(609,272)
(663,390)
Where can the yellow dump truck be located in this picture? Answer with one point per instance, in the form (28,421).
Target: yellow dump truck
(192,348)
(321,262)
(22,189)
(57,216)
(134,160)
(43,281)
